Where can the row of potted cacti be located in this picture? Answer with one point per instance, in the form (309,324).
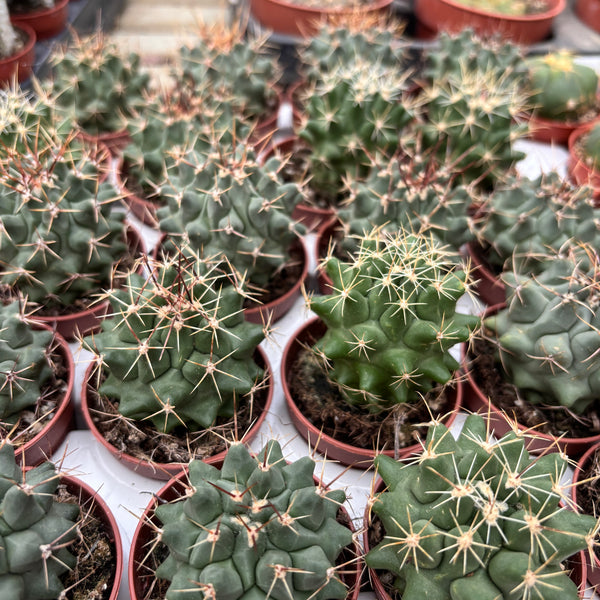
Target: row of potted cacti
(178,353)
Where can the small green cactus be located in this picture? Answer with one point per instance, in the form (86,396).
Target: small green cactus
(547,336)
(35,531)
(228,206)
(475,518)
(94,85)
(515,8)
(178,351)
(560,89)
(259,528)
(410,191)
(523,220)
(590,147)
(391,319)
(353,112)
(60,236)
(24,362)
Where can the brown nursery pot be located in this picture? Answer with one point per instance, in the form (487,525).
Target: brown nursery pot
(335,449)
(476,401)
(551,131)
(91,501)
(589,12)
(581,172)
(140,578)
(592,563)
(47,441)
(165,471)
(453,16)
(577,563)
(46,22)
(489,287)
(294,19)
(19,66)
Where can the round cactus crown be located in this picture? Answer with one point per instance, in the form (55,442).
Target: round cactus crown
(391,319)
(35,531)
(547,335)
(258,528)
(478,518)
(178,351)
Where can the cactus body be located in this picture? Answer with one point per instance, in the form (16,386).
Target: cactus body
(475,518)
(391,319)
(256,529)
(590,146)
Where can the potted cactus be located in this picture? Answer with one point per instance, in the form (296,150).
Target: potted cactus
(61,237)
(522,221)
(584,157)
(523,22)
(539,358)
(36,381)
(379,359)
(563,96)
(475,518)
(97,88)
(58,535)
(256,528)
(17,48)
(177,370)
(226,205)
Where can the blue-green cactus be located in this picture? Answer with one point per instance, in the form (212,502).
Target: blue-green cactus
(259,528)
(391,319)
(478,518)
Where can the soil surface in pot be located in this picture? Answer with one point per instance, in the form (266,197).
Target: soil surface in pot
(552,420)
(143,441)
(321,402)
(93,576)
(32,421)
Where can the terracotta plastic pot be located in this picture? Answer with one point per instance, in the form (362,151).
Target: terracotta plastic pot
(477,402)
(78,324)
(91,501)
(165,471)
(145,534)
(593,570)
(47,441)
(577,563)
(302,21)
(589,12)
(19,66)
(489,287)
(362,458)
(453,16)
(46,22)
(551,131)
(581,172)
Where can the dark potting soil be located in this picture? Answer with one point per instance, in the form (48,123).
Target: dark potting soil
(94,574)
(33,420)
(321,402)
(552,420)
(143,441)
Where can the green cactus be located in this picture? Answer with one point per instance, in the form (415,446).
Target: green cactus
(229,206)
(515,8)
(548,342)
(24,362)
(35,531)
(178,351)
(410,191)
(590,147)
(95,86)
(523,220)
(474,518)
(60,236)
(258,528)
(560,89)
(352,112)
(391,319)
(227,62)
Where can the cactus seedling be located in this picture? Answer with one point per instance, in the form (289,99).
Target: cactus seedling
(259,528)
(509,7)
(391,319)
(560,88)
(475,518)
